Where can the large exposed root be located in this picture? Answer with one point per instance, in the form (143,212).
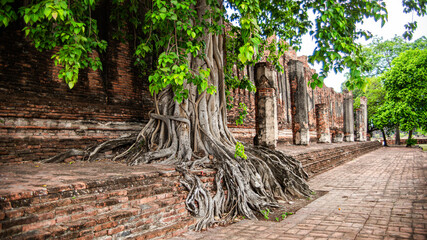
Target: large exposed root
(94,152)
(243,187)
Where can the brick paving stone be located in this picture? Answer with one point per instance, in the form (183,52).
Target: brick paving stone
(380,195)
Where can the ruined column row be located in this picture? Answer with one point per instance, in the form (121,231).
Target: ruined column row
(334,119)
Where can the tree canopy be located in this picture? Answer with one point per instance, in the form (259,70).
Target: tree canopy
(406,87)
(380,54)
(71,26)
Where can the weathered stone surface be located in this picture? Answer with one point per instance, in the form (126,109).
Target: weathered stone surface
(300,128)
(40,116)
(322,124)
(337,135)
(361,121)
(348,117)
(333,101)
(93,200)
(266,111)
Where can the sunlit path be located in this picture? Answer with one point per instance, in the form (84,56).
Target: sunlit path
(380,195)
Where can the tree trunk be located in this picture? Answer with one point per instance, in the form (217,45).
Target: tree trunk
(384,137)
(194,133)
(409,137)
(397,141)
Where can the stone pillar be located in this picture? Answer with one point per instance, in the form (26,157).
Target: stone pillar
(361,121)
(265,103)
(322,124)
(300,129)
(358,125)
(337,135)
(348,117)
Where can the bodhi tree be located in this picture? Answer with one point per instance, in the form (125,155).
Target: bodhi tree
(182,47)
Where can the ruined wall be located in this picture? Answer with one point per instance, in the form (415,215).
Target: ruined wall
(333,103)
(41,116)
(248,98)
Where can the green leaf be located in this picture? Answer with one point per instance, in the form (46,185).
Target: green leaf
(26,18)
(47,11)
(242,58)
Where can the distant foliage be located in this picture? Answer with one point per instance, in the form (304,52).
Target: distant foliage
(406,86)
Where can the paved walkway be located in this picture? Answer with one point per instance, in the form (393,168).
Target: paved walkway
(380,195)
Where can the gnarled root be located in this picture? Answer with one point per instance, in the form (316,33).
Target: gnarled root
(93,153)
(243,187)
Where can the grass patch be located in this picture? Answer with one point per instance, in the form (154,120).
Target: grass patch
(424,146)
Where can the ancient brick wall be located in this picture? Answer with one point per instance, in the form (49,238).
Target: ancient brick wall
(40,116)
(333,103)
(248,98)
(318,161)
(39,111)
(403,141)
(144,202)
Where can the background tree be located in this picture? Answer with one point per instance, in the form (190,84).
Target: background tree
(379,55)
(180,46)
(375,93)
(406,87)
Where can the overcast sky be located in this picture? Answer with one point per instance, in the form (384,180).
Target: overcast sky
(395,26)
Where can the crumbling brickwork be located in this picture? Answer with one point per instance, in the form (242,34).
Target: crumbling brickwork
(266,110)
(333,101)
(40,116)
(322,124)
(299,103)
(361,121)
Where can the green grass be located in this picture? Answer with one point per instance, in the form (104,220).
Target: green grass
(424,146)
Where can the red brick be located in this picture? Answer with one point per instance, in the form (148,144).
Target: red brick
(116,230)
(37,225)
(101,233)
(87,237)
(12,214)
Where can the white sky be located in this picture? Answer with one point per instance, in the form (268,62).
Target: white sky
(395,26)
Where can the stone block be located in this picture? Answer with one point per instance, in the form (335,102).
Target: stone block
(266,105)
(299,105)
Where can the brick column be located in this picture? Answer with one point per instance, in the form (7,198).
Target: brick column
(322,124)
(337,135)
(266,108)
(357,125)
(348,117)
(361,121)
(300,129)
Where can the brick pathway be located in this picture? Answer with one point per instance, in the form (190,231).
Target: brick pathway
(380,195)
